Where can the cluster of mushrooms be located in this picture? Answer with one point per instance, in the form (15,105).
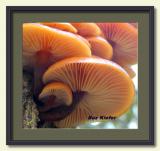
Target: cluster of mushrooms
(80,69)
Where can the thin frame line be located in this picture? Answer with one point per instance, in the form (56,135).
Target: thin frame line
(9,72)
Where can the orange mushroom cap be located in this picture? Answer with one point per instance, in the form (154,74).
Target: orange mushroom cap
(100,47)
(124,40)
(59,44)
(45,45)
(84,40)
(62,26)
(134,24)
(87,29)
(129,70)
(107,88)
(55,94)
(60,90)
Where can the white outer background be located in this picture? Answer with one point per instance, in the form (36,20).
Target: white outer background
(135,79)
(4,3)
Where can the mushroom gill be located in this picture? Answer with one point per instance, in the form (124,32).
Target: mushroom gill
(46,45)
(100,88)
(124,39)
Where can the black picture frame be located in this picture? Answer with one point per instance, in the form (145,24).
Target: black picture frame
(9,72)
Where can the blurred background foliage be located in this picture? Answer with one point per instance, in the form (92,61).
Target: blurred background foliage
(129,120)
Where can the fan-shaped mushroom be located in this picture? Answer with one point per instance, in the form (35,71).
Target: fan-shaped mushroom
(87,29)
(55,94)
(43,46)
(62,26)
(100,47)
(124,39)
(100,88)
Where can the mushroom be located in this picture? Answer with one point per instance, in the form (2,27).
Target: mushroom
(87,29)
(134,24)
(100,47)
(129,70)
(43,46)
(99,87)
(62,26)
(84,40)
(124,39)
(55,94)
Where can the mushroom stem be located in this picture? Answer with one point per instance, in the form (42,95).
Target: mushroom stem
(42,61)
(48,103)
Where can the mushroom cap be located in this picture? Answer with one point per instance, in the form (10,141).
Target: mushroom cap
(124,40)
(134,24)
(59,44)
(129,70)
(87,29)
(62,26)
(62,93)
(107,88)
(100,47)
(84,40)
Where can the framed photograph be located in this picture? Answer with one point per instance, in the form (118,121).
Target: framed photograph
(80,75)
